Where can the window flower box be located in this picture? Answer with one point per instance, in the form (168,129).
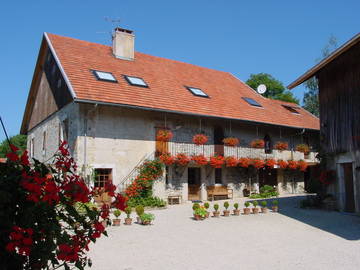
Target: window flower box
(231,161)
(217,161)
(200,160)
(182,159)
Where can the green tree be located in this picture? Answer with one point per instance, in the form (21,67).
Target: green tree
(275,88)
(311,96)
(19,141)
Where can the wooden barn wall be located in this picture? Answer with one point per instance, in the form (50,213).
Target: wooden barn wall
(339,84)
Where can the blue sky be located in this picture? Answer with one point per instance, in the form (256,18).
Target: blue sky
(282,38)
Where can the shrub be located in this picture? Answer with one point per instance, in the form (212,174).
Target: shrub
(200,211)
(128,211)
(255,203)
(146,202)
(139,210)
(263,204)
(117,213)
(206,205)
(147,217)
(275,202)
(247,204)
(216,207)
(195,206)
(236,206)
(226,205)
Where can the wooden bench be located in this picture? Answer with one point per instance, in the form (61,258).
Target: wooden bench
(174,199)
(214,192)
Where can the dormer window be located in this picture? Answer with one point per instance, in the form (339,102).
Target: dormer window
(252,102)
(197,91)
(291,109)
(136,81)
(104,76)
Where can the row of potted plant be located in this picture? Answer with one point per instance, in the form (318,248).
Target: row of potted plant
(218,161)
(202,211)
(142,217)
(201,139)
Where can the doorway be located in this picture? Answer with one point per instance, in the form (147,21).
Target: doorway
(268,177)
(194,182)
(218,140)
(349,187)
(160,146)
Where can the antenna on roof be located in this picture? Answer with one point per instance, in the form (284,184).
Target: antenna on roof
(261,89)
(115,23)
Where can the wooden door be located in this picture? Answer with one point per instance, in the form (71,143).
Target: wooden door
(349,187)
(160,147)
(194,182)
(267,177)
(218,140)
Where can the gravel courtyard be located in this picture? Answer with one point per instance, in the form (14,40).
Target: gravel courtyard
(292,239)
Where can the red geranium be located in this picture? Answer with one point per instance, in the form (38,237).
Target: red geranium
(257,143)
(257,163)
(200,139)
(281,146)
(231,141)
(244,162)
(302,165)
(217,161)
(270,163)
(231,161)
(282,164)
(200,160)
(182,159)
(164,135)
(167,159)
(304,148)
(292,164)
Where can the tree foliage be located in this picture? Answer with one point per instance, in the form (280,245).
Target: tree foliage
(19,141)
(311,97)
(275,88)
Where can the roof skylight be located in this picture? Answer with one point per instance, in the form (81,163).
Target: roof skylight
(135,81)
(252,102)
(104,76)
(197,91)
(291,109)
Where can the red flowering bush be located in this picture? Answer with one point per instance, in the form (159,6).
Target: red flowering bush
(244,162)
(41,226)
(292,164)
(182,159)
(200,160)
(270,163)
(231,161)
(257,163)
(231,141)
(281,146)
(282,164)
(257,143)
(302,165)
(167,159)
(303,148)
(164,135)
(200,139)
(217,161)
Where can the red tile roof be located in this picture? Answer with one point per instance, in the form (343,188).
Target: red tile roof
(166,79)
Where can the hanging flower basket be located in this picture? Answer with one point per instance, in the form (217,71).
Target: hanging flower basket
(200,139)
(270,163)
(167,159)
(217,161)
(257,163)
(244,162)
(281,146)
(200,160)
(231,141)
(292,164)
(303,148)
(231,161)
(257,143)
(302,165)
(164,135)
(282,164)
(327,177)
(182,159)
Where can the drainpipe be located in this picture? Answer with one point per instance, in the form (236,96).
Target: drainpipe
(85,138)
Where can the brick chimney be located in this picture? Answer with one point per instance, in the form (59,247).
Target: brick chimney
(123,43)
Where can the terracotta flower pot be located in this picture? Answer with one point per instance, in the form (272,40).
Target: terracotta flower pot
(138,220)
(226,213)
(236,212)
(275,208)
(147,222)
(255,210)
(207,214)
(216,214)
(116,222)
(246,211)
(264,210)
(198,217)
(128,221)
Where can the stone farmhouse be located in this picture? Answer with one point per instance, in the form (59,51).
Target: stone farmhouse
(109,102)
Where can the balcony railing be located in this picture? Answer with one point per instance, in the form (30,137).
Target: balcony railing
(238,152)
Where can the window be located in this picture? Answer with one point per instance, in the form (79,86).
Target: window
(32,148)
(197,92)
(268,144)
(291,109)
(252,102)
(135,81)
(218,176)
(102,177)
(104,76)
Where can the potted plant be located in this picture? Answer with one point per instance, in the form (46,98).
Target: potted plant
(258,143)
(116,220)
(244,162)
(281,146)
(164,135)
(200,160)
(263,207)
(200,213)
(302,165)
(236,209)
(139,211)
(167,159)
(304,148)
(257,163)
(128,219)
(255,209)
(200,139)
(231,141)
(292,164)
(182,159)
(216,213)
(247,209)
(231,161)
(217,161)
(270,163)
(146,218)
(282,164)
(226,211)
(206,206)
(275,206)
